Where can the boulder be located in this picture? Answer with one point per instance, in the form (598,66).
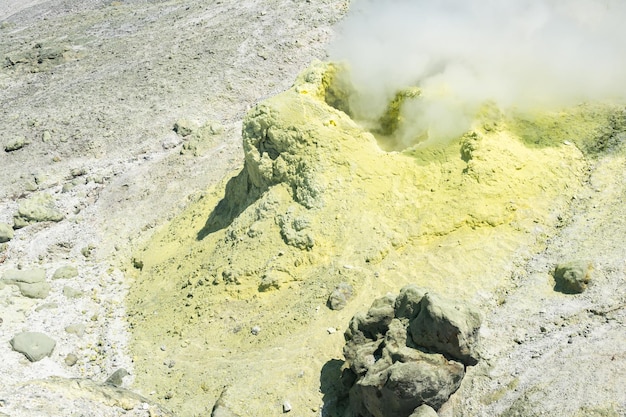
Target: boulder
(31,282)
(446,327)
(38,290)
(572,277)
(399,389)
(6,232)
(40,208)
(388,374)
(34,345)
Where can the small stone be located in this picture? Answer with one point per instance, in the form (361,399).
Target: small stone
(286,407)
(137,263)
(338,299)
(34,345)
(255,330)
(40,178)
(65,272)
(6,232)
(184,127)
(331,330)
(269,281)
(78,329)
(572,277)
(220,409)
(168,395)
(15,144)
(47,306)
(70,292)
(46,136)
(30,186)
(215,128)
(77,172)
(71,359)
(171,142)
(116,377)
(67,187)
(87,250)
(98,179)
(162,348)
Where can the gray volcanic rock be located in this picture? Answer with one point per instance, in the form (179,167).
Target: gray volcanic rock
(408,301)
(446,327)
(34,345)
(338,299)
(572,277)
(389,375)
(116,378)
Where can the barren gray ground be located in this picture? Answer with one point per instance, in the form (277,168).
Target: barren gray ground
(94,88)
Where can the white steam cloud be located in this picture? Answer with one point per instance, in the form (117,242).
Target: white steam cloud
(522,54)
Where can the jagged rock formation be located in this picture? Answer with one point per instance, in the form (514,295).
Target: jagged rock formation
(406,352)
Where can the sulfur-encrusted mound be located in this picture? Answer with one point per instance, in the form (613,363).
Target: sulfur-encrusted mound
(318,202)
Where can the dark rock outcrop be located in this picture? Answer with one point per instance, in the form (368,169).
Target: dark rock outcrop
(408,352)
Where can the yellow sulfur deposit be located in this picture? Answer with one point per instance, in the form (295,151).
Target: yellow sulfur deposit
(318,202)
